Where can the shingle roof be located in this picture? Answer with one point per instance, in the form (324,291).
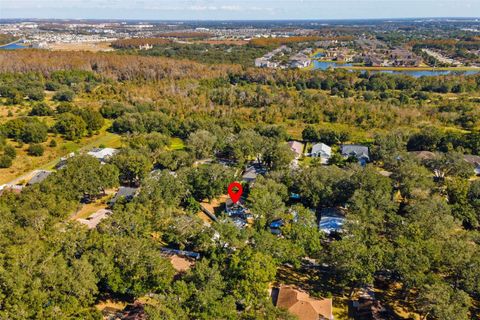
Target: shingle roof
(355,150)
(302,305)
(321,148)
(475,160)
(39,177)
(125,192)
(102,153)
(296,147)
(424,155)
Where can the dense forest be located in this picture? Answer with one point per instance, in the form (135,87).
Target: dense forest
(412,222)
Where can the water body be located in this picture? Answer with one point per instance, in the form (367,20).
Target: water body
(322,65)
(13,46)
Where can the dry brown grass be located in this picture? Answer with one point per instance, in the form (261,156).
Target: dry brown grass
(81,46)
(87,210)
(227,42)
(217,205)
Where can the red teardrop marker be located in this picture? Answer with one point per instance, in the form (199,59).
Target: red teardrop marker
(235,196)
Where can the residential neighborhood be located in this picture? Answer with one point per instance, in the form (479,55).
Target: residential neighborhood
(217,165)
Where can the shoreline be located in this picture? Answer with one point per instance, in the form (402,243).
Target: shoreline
(341,65)
(7,44)
(461,69)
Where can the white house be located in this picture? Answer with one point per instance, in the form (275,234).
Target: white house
(103,154)
(322,151)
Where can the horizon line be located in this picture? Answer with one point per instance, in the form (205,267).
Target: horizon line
(248,20)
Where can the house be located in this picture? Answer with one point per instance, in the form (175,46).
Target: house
(366,306)
(145,47)
(39,176)
(134,311)
(296,147)
(403,58)
(126,193)
(322,151)
(373,61)
(181,253)
(265,62)
(250,174)
(238,213)
(300,60)
(13,188)
(300,304)
(103,154)
(355,150)
(261,62)
(236,209)
(331,220)
(475,161)
(93,220)
(300,63)
(63,161)
(423,155)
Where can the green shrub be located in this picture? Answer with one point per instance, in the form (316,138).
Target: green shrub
(64,95)
(36,150)
(5,161)
(10,151)
(41,109)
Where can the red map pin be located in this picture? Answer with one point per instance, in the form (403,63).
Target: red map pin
(235,195)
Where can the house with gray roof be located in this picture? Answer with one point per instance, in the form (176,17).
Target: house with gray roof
(39,176)
(322,151)
(126,193)
(355,150)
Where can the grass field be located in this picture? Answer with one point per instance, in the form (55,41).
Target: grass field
(24,163)
(81,46)
(294,129)
(87,210)
(176,144)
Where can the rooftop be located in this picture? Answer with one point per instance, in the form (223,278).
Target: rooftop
(302,305)
(103,153)
(39,176)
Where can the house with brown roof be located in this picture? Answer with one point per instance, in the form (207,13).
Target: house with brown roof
(300,304)
(423,155)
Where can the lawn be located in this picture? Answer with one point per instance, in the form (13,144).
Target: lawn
(294,130)
(176,144)
(87,210)
(24,163)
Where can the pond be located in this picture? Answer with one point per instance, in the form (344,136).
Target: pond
(324,65)
(13,46)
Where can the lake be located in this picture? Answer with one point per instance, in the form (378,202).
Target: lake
(13,46)
(323,65)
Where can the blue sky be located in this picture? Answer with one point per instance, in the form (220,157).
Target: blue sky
(237,9)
